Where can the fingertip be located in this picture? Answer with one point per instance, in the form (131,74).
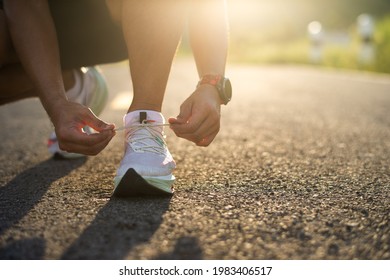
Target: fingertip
(171,120)
(106,127)
(205,142)
(110,132)
(111,126)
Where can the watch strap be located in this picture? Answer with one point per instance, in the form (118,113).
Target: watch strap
(210,80)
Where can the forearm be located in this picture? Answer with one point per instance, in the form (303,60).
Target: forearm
(208,31)
(34,38)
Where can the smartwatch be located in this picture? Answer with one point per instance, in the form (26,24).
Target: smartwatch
(221,83)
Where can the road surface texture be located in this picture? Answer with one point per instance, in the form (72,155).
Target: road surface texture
(299,170)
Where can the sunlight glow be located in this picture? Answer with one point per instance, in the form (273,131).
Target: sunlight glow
(122,100)
(314,28)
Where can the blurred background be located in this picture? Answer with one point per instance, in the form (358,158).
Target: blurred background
(352,34)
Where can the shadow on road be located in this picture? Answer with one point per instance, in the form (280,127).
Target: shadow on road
(23,192)
(186,248)
(25,249)
(119,226)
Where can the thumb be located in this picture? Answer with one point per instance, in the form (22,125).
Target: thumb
(184,115)
(97,124)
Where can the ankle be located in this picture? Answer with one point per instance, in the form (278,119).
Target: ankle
(138,106)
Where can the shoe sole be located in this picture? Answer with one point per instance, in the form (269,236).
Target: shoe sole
(132,184)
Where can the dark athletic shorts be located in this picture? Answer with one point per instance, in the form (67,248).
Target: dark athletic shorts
(86,33)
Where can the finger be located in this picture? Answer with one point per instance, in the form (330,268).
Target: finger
(184,115)
(99,147)
(99,125)
(76,147)
(187,131)
(206,141)
(210,126)
(173,120)
(94,139)
(85,140)
(204,130)
(203,139)
(190,127)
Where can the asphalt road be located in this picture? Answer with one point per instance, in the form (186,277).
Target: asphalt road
(299,170)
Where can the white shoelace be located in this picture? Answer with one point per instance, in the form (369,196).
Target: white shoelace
(143,141)
(140,125)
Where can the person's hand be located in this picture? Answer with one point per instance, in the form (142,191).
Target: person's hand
(199,118)
(69,119)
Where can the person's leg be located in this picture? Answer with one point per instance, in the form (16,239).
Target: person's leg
(86,34)
(152,30)
(14,82)
(16,85)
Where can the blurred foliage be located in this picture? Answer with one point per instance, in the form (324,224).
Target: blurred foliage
(265,31)
(334,54)
(382,42)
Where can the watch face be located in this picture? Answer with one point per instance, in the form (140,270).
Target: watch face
(227,90)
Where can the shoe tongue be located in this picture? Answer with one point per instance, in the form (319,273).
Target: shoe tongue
(142,117)
(137,117)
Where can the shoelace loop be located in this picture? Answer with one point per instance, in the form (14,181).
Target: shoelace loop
(142,142)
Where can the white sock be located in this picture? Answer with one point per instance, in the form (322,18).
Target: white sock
(133,117)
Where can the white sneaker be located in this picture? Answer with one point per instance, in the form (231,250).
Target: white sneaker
(93,94)
(147,165)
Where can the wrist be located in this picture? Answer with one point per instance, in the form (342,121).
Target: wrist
(220,83)
(211,92)
(53,106)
